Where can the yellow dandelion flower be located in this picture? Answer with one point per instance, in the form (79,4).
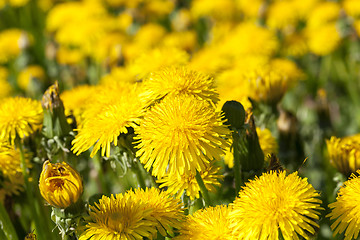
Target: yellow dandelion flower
(323,40)
(344,153)
(113,112)
(185,40)
(19,117)
(77,100)
(323,14)
(29,74)
(12,42)
(156,59)
(200,60)
(166,210)
(218,9)
(250,39)
(175,81)
(176,184)
(181,135)
(211,223)
(304,7)
(67,56)
(251,8)
(12,180)
(352,8)
(5,88)
(346,209)
(60,185)
(132,216)
(281,15)
(118,74)
(274,202)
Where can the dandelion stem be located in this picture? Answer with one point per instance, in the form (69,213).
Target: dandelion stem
(34,208)
(203,190)
(237,165)
(6,224)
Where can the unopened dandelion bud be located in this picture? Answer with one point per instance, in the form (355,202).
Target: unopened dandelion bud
(234,113)
(60,184)
(55,123)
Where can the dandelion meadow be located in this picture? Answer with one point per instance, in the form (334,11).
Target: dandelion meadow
(179,119)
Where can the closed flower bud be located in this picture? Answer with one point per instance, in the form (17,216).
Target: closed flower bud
(60,184)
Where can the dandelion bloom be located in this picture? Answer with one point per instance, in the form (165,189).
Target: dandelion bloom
(114,111)
(211,223)
(12,180)
(19,117)
(346,209)
(274,202)
(179,81)
(181,135)
(133,215)
(344,153)
(176,184)
(60,184)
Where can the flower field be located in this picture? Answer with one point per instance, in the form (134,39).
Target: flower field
(179,119)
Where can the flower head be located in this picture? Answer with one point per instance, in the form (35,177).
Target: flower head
(29,74)
(179,81)
(133,215)
(346,209)
(276,202)
(60,184)
(176,184)
(181,135)
(344,153)
(211,223)
(19,117)
(115,109)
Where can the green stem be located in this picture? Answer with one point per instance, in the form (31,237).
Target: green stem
(6,225)
(42,231)
(237,165)
(139,175)
(101,180)
(203,190)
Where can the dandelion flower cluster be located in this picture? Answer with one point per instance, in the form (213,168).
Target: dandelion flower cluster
(275,202)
